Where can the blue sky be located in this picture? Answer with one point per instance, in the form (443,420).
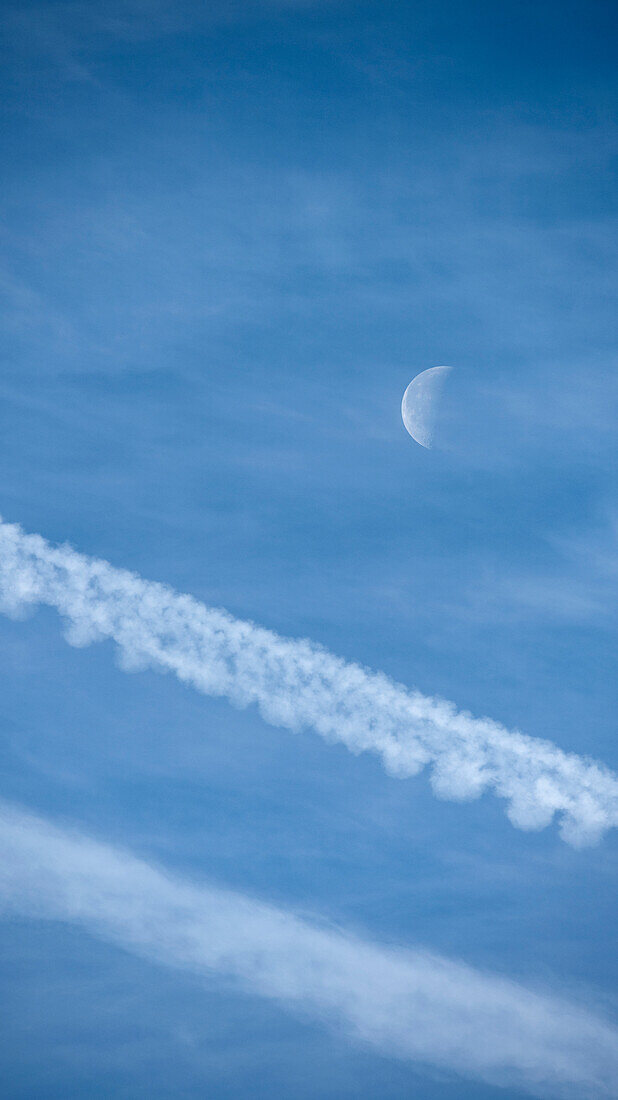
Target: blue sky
(231,237)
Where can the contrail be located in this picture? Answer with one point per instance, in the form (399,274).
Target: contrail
(296,684)
(409,1004)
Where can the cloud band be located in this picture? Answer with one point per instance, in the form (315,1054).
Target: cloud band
(296,684)
(408,1004)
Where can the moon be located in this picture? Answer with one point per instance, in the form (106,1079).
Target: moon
(419,408)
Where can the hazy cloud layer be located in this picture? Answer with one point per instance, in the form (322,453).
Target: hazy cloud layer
(410,1004)
(297,684)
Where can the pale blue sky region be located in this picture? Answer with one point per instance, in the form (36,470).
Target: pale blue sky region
(230,240)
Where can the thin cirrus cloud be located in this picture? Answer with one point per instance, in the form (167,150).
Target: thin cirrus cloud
(298,684)
(409,1004)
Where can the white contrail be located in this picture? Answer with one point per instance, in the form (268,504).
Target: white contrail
(297,684)
(408,1004)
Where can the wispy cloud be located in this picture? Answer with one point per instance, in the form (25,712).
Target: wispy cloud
(298,684)
(409,1004)
(579,583)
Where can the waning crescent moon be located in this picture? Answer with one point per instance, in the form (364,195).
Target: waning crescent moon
(420,404)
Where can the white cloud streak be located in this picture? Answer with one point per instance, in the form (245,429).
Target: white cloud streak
(408,1004)
(298,684)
